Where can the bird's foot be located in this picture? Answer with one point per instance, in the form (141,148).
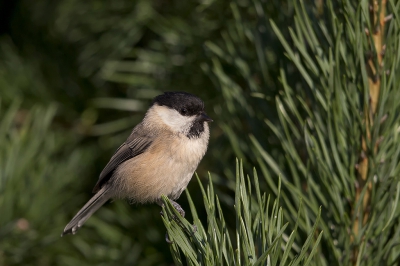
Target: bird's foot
(167,239)
(177,207)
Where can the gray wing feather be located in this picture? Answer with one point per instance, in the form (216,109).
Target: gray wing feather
(133,146)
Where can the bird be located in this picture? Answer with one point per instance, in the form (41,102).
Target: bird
(158,158)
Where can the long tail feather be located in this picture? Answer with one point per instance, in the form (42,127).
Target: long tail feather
(90,207)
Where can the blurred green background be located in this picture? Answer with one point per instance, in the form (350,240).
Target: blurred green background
(76,76)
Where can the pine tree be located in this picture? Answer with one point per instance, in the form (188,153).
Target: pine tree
(304,93)
(337,125)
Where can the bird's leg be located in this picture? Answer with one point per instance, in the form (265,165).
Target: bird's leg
(182,212)
(169,241)
(178,208)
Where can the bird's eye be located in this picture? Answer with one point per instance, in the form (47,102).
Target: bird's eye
(184,111)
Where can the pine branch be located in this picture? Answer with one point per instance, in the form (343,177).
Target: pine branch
(377,10)
(259,237)
(323,108)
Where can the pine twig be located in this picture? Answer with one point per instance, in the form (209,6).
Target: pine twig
(378,20)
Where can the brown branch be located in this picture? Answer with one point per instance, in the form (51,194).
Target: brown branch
(377,18)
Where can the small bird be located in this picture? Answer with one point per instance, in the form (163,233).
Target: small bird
(158,158)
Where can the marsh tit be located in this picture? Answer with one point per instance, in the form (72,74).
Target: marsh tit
(158,158)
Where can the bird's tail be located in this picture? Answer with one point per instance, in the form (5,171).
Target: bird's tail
(90,207)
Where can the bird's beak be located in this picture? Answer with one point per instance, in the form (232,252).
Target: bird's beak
(204,117)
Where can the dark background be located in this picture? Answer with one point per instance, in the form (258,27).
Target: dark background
(78,75)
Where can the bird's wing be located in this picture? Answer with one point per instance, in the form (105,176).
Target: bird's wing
(133,146)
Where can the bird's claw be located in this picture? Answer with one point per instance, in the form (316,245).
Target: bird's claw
(167,239)
(179,209)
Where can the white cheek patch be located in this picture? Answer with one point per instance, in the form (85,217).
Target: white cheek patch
(174,119)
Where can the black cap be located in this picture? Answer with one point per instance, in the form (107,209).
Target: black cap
(185,103)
